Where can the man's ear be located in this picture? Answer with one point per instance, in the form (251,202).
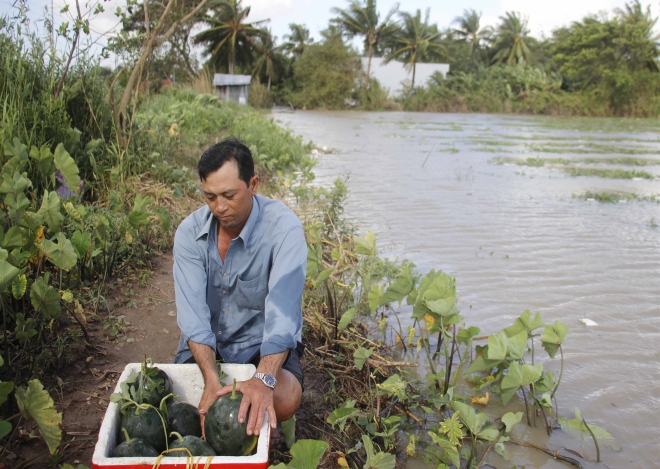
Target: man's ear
(254,184)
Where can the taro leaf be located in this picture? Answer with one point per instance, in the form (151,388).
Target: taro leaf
(394,386)
(5,428)
(14,182)
(16,149)
(50,210)
(545,383)
(553,337)
(497,345)
(517,376)
(365,246)
(13,238)
(313,261)
(141,203)
(434,287)
(16,205)
(67,166)
(307,454)
(516,347)
(24,329)
(341,415)
(481,363)
(138,219)
(510,420)
(452,428)
(346,319)
(289,431)
(489,433)
(45,299)
(32,221)
(5,390)
(44,158)
(37,404)
(3,254)
(7,274)
(18,286)
(62,254)
(525,323)
(163,218)
(279,466)
(398,289)
(578,424)
(360,356)
(323,276)
(74,215)
(448,448)
(465,336)
(374,297)
(378,460)
(472,419)
(81,243)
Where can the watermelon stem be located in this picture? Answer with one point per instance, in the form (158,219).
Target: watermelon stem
(233,391)
(178,435)
(128,439)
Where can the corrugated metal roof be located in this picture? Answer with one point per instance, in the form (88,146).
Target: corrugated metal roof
(221,79)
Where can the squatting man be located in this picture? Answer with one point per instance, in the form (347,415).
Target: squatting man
(239,273)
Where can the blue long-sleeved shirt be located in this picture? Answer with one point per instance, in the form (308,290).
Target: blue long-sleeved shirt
(253,300)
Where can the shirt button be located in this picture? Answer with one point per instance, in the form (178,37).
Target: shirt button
(225,274)
(224,292)
(219,332)
(224,310)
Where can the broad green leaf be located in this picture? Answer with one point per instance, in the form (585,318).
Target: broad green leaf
(442,306)
(14,182)
(18,286)
(45,299)
(164,218)
(279,466)
(517,376)
(452,428)
(323,276)
(360,356)
(50,210)
(141,203)
(374,297)
(578,424)
(5,389)
(545,383)
(381,460)
(32,221)
(36,403)
(516,346)
(510,419)
(313,262)
(433,287)
(61,254)
(44,158)
(7,274)
(553,337)
(367,245)
(67,166)
(24,327)
(465,336)
(346,319)
(340,415)
(448,448)
(16,204)
(138,219)
(394,386)
(481,363)
(16,148)
(289,431)
(525,323)
(81,243)
(307,454)
(74,215)
(472,419)
(13,238)
(497,345)
(488,433)
(5,428)
(398,289)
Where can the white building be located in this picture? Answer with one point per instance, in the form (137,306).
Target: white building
(395,75)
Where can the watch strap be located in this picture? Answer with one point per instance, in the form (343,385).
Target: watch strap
(268,380)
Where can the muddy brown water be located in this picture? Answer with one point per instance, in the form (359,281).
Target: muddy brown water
(444,191)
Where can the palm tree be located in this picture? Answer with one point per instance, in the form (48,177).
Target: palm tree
(511,39)
(229,36)
(416,41)
(469,29)
(298,40)
(266,50)
(363,20)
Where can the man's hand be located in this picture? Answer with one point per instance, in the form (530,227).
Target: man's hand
(258,400)
(209,396)
(205,358)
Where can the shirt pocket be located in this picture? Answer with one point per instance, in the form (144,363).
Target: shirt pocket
(251,294)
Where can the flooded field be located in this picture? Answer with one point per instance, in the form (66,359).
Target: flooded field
(555,215)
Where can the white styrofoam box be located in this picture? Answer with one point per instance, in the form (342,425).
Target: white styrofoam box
(188,383)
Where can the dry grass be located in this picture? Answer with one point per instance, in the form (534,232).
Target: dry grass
(203,82)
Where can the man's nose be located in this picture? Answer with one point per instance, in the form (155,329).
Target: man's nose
(220,207)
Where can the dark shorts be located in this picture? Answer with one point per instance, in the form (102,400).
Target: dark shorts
(291,364)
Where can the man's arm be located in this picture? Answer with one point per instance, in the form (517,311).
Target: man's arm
(205,358)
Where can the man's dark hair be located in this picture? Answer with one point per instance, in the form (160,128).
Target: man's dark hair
(230,149)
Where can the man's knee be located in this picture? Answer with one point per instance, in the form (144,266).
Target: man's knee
(288,395)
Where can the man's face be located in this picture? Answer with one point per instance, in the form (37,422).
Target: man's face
(228,197)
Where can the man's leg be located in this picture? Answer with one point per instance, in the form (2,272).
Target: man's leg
(288,395)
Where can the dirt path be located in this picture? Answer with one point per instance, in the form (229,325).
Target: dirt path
(87,385)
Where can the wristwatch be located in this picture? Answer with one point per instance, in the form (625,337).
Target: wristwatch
(268,380)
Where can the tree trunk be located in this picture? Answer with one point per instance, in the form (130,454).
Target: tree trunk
(371,53)
(268,89)
(412,84)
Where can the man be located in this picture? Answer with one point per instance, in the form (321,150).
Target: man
(239,273)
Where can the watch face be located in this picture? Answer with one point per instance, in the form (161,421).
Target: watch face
(270,381)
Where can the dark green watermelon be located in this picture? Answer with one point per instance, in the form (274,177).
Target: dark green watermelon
(145,424)
(195,445)
(133,447)
(184,419)
(150,386)
(222,430)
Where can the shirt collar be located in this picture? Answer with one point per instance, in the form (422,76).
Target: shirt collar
(247,229)
(251,221)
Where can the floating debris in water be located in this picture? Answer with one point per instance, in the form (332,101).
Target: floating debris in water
(588,322)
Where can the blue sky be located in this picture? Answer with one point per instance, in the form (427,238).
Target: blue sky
(543,16)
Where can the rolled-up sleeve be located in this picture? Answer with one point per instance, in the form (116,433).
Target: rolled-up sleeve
(283,308)
(190,280)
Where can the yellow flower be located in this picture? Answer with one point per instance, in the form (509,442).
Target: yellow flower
(481,400)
